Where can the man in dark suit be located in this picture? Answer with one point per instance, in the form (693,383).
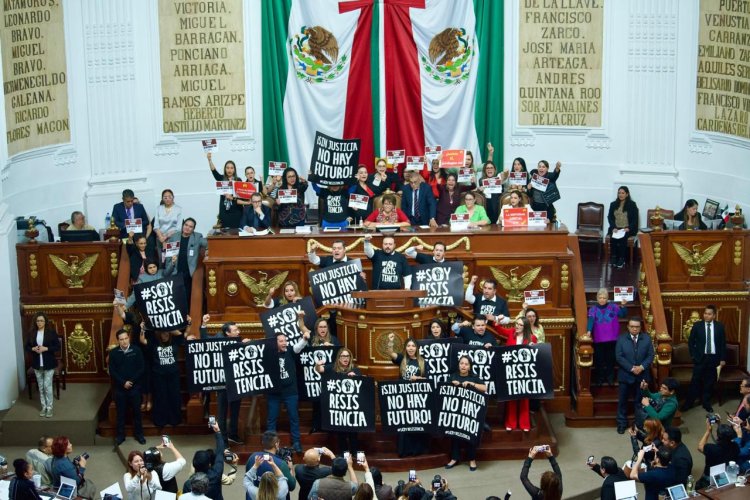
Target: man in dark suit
(128,209)
(611,473)
(186,260)
(707,344)
(634,353)
(256,217)
(418,202)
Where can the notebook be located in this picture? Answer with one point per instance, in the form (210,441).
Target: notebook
(677,492)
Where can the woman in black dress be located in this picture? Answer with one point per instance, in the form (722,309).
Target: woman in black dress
(230,210)
(365,188)
(622,216)
(437,330)
(292,214)
(411,368)
(162,348)
(465,379)
(344,365)
(538,203)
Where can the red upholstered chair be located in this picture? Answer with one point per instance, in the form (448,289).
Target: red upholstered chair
(590,223)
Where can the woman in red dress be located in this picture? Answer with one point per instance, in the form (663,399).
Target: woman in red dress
(517,412)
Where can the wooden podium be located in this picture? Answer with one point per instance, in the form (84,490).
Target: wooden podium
(376,300)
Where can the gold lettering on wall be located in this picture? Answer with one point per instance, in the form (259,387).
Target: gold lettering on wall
(202,65)
(34,74)
(560,63)
(723,84)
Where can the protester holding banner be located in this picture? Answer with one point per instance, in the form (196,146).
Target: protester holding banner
(167,219)
(388,266)
(438,253)
(257,216)
(411,368)
(292,214)
(335,201)
(475,333)
(291,294)
(519,166)
(321,338)
(344,365)
(363,187)
(418,201)
(435,178)
(488,303)
(138,254)
(492,200)
(385,179)
(273,184)
(551,482)
(533,316)
(153,273)
(338,255)
(464,378)
(477,215)
(449,197)
(437,329)
(542,200)
(250,177)
(162,349)
(126,370)
(230,211)
(623,224)
(387,214)
(516,201)
(604,323)
(286,394)
(191,242)
(517,411)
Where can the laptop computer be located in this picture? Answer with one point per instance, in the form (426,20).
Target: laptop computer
(677,492)
(67,489)
(626,490)
(718,475)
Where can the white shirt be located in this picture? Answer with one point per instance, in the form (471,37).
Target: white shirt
(136,490)
(710,333)
(40,342)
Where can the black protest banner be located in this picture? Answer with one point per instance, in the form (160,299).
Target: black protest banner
(460,412)
(525,371)
(347,404)
(308,385)
(283,319)
(162,303)
(406,406)
(335,284)
(250,368)
(205,364)
(483,363)
(443,282)
(437,359)
(334,161)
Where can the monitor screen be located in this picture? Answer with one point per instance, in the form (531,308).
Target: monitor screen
(76,235)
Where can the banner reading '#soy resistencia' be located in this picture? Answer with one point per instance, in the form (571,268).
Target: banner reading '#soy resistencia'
(308,385)
(437,358)
(250,368)
(484,363)
(162,303)
(347,404)
(406,406)
(204,364)
(524,371)
(283,319)
(460,412)
(443,283)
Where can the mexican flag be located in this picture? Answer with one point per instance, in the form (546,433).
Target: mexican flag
(397,74)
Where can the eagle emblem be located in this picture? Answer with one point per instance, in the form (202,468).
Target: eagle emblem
(449,57)
(260,288)
(315,52)
(695,259)
(76,270)
(513,284)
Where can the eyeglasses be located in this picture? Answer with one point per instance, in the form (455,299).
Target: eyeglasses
(344,356)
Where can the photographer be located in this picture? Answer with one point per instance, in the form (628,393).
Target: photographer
(382,491)
(271,484)
(310,469)
(213,467)
(440,489)
(611,473)
(722,452)
(650,436)
(682,460)
(62,466)
(660,405)
(742,428)
(139,482)
(335,486)
(282,457)
(550,485)
(166,471)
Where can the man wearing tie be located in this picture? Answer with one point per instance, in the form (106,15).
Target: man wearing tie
(128,209)
(707,345)
(634,353)
(418,202)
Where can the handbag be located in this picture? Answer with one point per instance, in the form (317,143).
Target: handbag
(552,194)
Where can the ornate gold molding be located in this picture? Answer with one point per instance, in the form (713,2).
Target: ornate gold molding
(33,270)
(695,259)
(259,288)
(113,264)
(657,253)
(74,270)
(80,345)
(413,241)
(514,285)
(212,282)
(737,252)
(313,242)
(558,322)
(564,277)
(30,309)
(729,296)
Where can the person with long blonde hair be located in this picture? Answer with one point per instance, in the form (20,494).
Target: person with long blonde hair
(272,485)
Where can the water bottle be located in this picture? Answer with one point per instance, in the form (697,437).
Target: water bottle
(690,485)
(733,470)
(107,220)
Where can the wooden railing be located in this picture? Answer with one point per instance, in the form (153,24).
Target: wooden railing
(652,309)
(583,350)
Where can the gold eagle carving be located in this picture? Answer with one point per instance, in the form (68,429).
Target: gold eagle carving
(323,44)
(76,270)
(695,259)
(513,284)
(260,288)
(444,44)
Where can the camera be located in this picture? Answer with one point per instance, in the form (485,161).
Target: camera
(151,458)
(286,453)
(648,448)
(267,457)
(228,456)
(412,475)
(543,447)
(211,421)
(83,455)
(590,460)
(319,450)
(360,457)
(165,440)
(713,418)
(437,482)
